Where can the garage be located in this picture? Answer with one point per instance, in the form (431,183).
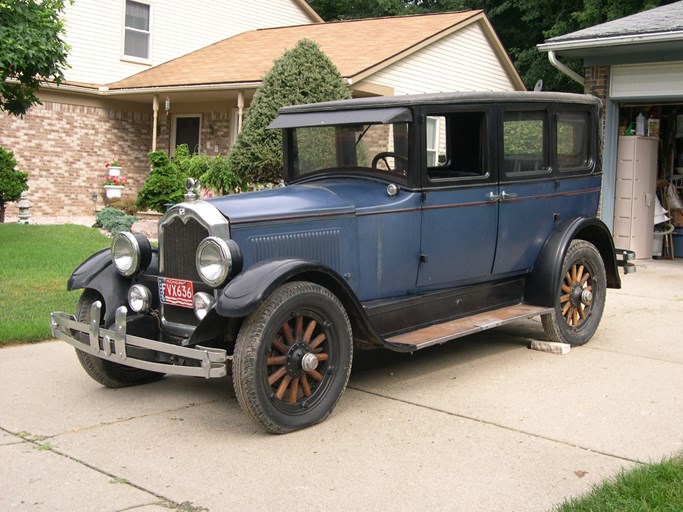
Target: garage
(634,64)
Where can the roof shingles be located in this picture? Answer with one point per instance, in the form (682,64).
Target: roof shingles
(668,18)
(353,46)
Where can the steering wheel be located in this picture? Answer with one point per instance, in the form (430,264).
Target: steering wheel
(384,155)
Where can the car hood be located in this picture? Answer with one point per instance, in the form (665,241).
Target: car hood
(291,202)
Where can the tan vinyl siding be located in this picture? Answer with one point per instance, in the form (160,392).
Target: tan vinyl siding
(95,31)
(463,61)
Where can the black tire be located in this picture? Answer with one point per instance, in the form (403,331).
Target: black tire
(293,358)
(579,296)
(108,374)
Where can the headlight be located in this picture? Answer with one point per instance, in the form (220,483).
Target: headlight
(130,253)
(202,302)
(139,298)
(216,259)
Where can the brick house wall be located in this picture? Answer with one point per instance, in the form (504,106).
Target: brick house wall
(597,84)
(64,148)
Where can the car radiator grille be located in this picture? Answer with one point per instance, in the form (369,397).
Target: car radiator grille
(179,242)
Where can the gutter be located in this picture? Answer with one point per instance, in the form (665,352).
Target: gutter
(601,42)
(565,69)
(597,42)
(105,91)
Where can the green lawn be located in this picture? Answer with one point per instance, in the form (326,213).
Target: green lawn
(35,263)
(656,487)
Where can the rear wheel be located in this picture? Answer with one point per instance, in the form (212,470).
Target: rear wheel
(580,297)
(293,358)
(108,374)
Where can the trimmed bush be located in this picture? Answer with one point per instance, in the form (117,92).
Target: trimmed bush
(303,74)
(125,205)
(165,184)
(113,220)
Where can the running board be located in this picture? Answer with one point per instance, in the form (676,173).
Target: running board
(441,333)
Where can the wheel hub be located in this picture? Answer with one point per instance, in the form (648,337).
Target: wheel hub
(576,295)
(299,358)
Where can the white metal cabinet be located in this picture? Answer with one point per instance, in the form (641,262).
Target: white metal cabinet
(635,194)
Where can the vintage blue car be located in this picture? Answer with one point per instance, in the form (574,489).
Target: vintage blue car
(405,222)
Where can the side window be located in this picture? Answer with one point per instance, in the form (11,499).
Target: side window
(573,140)
(524,145)
(456,145)
(137,31)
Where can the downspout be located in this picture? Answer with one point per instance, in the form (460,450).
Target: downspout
(565,69)
(155,108)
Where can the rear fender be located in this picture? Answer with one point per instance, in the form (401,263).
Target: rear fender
(244,294)
(549,264)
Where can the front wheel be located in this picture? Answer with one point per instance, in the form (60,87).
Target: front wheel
(580,297)
(108,374)
(293,358)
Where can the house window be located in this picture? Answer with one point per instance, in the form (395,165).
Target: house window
(186,131)
(137,30)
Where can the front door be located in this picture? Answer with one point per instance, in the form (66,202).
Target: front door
(186,131)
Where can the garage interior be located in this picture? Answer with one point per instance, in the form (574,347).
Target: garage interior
(648,208)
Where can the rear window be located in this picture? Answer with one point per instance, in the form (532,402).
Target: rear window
(573,140)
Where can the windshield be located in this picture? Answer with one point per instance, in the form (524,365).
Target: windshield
(358,148)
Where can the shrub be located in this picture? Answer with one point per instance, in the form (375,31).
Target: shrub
(12,181)
(211,171)
(303,74)
(220,176)
(114,220)
(125,205)
(165,184)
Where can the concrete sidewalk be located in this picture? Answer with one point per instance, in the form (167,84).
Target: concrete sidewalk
(478,424)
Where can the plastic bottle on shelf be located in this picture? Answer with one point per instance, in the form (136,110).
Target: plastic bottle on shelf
(640,125)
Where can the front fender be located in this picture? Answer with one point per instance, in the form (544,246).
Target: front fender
(540,287)
(244,294)
(251,287)
(98,273)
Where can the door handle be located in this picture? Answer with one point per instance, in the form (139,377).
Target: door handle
(494,197)
(504,195)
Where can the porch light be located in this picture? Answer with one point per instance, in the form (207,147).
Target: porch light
(167,104)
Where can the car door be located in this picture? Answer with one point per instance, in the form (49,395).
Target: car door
(459,212)
(527,188)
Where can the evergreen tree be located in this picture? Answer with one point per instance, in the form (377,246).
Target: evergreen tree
(12,181)
(303,74)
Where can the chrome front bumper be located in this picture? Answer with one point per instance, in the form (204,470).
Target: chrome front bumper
(112,345)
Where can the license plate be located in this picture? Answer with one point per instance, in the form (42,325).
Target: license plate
(176,292)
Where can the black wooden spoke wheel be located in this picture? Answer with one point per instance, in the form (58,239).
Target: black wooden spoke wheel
(580,297)
(108,374)
(293,358)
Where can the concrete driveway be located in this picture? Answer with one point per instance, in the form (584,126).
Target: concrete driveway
(478,424)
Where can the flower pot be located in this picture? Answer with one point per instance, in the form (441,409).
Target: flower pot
(113,191)
(114,171)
